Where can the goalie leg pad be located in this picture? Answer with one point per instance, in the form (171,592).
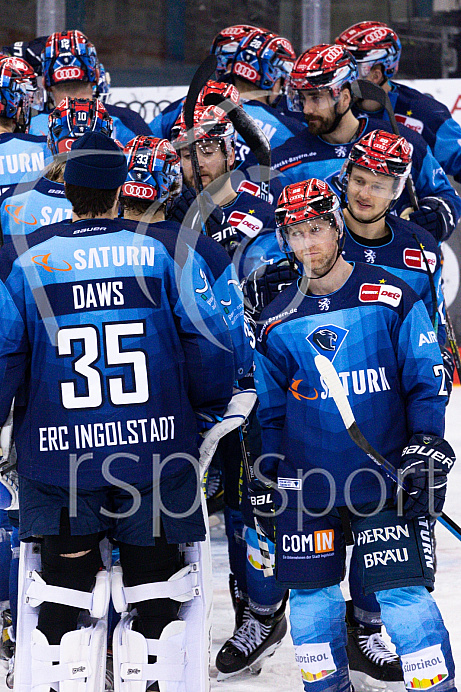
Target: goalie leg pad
(32,592)
(131,651)
(192,588)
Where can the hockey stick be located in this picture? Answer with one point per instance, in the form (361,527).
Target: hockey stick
(200,78)
(251,134)
(362,90)
(262,539)
(331,378)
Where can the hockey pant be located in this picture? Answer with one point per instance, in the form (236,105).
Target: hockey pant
(179,657)
(411,618)
(77,663)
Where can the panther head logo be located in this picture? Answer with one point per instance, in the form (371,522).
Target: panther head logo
(325,339)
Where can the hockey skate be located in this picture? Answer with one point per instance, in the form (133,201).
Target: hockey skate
(253,642)
(373,666)
(239,603)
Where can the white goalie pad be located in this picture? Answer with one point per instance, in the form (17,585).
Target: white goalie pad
(183,650)
(78,663)
(238,410)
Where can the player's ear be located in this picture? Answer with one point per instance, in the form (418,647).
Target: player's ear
(231,159)
(375,75)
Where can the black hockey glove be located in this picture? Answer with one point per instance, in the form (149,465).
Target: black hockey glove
(449,367)
(185,210)
(260,498)
(436,216)
(426,461)
(265,283)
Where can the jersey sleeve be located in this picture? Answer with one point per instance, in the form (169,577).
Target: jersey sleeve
(447,149)
(272,386)
(422,373)
(162,124)
(14,349)
(205,339)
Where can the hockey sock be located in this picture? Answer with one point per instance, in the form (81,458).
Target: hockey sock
(362,609)
(14,577)
(147,564)
(414,623)
(233,521)
(318,629)
(5,554)
(264,594)
(55,619)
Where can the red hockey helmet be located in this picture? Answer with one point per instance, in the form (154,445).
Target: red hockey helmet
(326,66)
(228,91)
(69,56)
(262,57)
(73,118)
(226,43)
(372,43)
(304,201)
(210,122)
(382,153)
(154,169)
(18,84)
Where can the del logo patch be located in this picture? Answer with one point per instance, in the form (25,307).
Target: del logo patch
(413,258)
(246,223)
(412,123)
(372,293)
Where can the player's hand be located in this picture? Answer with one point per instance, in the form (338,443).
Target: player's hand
(449,367)
(260,498)
(435,215)
(185,210)
(426,462)
(265,283)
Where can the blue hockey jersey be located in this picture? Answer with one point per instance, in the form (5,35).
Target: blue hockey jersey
(105,330)
(400,254)
(218,274)
(22,158)
(309,156)
(432,120)
(377,333)
(25,208)
(248,234)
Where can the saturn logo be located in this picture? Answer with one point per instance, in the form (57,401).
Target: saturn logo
(294,390)
(15,214)
(43,260)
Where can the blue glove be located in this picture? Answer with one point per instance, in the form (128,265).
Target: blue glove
(449,367)
(265,283)
(436,216)
(426,461)
(186,205)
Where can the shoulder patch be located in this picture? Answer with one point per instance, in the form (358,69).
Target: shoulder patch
(413,258)
(246,223)
(384,293)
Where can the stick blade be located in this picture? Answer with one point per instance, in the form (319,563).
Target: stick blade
(200,78)
(363,89)
(331,378)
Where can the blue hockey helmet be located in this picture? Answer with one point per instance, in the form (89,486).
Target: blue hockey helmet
(69,57)
(154,169)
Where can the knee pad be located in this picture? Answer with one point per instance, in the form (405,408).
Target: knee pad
(183,649)
(78,662)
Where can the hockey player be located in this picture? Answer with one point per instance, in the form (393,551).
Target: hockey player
(70,67)
(369,323)
(247,230)
(22,155)
(377,48)
(224,46)
(154,180)
(320,85)
(106,322)
(260,70)
(25,208)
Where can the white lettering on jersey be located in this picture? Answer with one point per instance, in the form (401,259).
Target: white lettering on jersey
(116,256)
(430,338)
(98,295)
(360,381)
(22,162)
(59,214)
